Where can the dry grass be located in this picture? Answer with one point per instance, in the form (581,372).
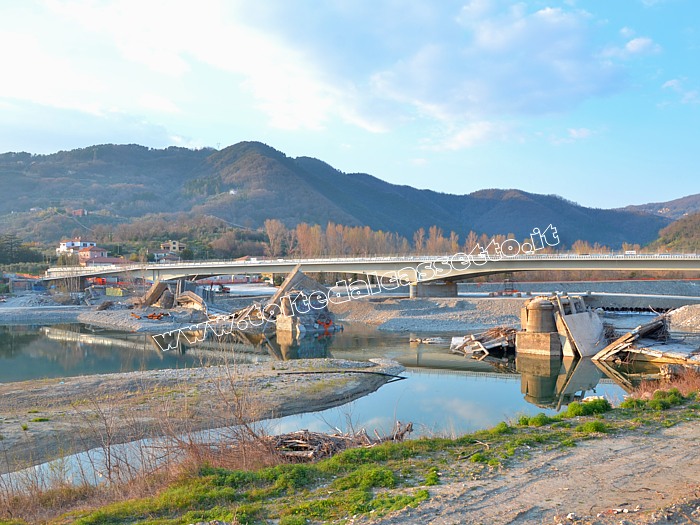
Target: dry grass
(144,468)
(686,381)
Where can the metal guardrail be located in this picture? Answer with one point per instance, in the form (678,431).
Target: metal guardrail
(67,271)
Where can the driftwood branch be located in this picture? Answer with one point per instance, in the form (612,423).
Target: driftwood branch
(307,446)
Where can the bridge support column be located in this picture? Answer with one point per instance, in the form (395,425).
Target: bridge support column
(417,290)
(538,378)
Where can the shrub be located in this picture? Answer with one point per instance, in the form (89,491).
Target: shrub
(479,457)
(660,400)
(540,420)
(588,408)
(501,428)
(633,403)
(592,427)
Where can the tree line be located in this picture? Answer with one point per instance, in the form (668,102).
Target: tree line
(337,240)
(14,250)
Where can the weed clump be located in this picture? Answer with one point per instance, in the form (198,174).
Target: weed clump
(588,408)
(367,477)
(660,400)
(433,477)
(538,420)
(633,403)
(592,427)
(501,428)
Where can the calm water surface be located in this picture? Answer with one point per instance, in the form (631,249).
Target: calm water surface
(443,394)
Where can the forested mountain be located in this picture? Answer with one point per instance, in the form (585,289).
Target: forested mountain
(682,236)
(674,209)
(249,182)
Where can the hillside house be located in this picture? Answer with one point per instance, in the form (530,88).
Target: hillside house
(90,252)
(73,246)
(173,247)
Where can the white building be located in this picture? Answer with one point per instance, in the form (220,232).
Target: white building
(73,246)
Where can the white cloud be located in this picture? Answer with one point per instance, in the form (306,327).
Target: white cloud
(35,74)
(460,71)
(579,133)
(502,62)
(639,46)
(674,84)
(171,38)
(686,96)
(467,136)
(45,126)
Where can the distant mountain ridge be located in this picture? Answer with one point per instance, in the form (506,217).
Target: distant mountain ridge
(674,209)
(249,182)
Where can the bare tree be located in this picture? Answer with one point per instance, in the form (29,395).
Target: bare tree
(276,234)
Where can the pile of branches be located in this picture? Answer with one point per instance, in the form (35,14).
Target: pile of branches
(309,446)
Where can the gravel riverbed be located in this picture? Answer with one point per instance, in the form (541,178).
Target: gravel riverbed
(432,315)
(44,419)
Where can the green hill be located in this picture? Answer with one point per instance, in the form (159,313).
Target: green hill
(682,236)
(249,182)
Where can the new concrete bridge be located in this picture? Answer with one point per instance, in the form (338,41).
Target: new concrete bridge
(413,270)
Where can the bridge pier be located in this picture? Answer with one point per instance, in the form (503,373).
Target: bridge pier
(446,289)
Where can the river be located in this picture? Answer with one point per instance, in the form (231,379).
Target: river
(443,394)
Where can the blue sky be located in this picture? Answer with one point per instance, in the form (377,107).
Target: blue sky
(596,101)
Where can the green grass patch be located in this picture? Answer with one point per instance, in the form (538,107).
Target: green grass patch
(587,408)
(660,400)
(433,477)
(381,479)
(366,477)
(39,420)
(591,427)
(538,420)
(501,428)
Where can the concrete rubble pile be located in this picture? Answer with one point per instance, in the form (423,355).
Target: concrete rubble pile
(299,306)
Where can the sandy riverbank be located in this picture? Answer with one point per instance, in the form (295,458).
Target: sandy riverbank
(621,479)
(390,314)
(41,420)
(41,309)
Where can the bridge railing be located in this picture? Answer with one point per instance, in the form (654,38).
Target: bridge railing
(417,258)
(262,262)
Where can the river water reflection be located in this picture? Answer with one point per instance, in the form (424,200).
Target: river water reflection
(443,394)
